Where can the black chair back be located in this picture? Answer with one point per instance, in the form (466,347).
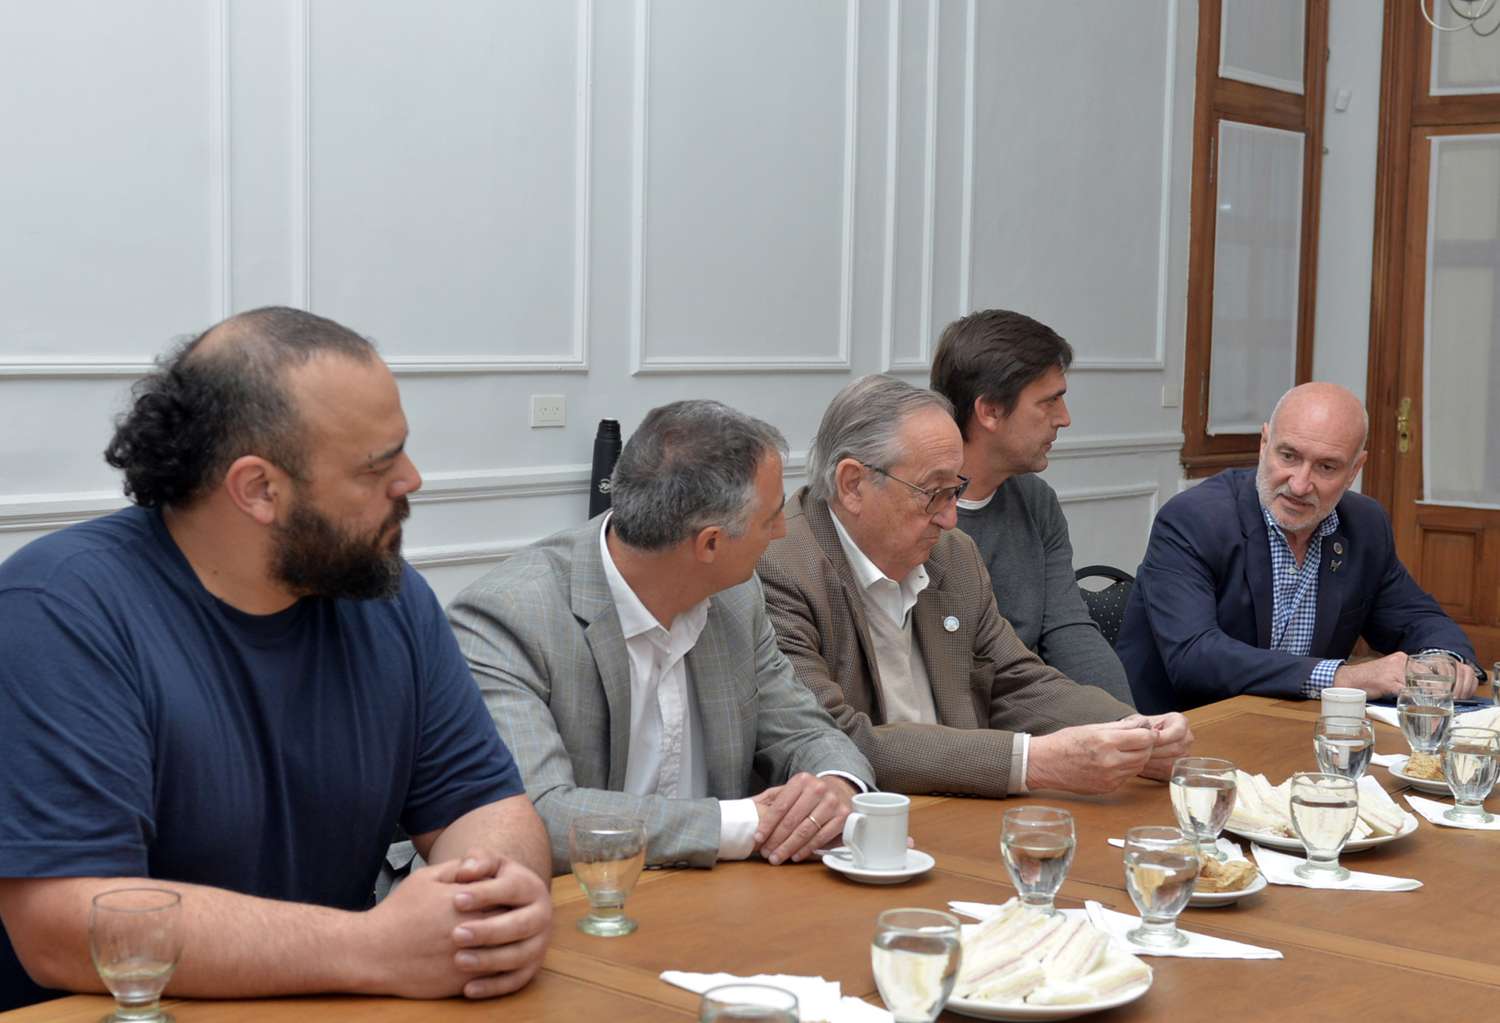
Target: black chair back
(1106,606)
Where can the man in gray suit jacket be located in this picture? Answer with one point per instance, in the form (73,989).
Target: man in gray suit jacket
(887,614)
(631,667)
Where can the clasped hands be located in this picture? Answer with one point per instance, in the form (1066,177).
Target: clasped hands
(805,814)
(1099,758)
(476,926)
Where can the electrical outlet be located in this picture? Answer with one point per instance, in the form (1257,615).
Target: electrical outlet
(548,410)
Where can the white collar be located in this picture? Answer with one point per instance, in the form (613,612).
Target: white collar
(635,619)
(867,574)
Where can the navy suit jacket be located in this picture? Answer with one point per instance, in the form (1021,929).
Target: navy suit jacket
(1198,623)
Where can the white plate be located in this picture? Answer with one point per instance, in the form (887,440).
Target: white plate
(1294,844)
(917,863)
(1436,788)
(1021,1011)
(1208,900)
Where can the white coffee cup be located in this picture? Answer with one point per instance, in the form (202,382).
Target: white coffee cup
(876,831)
(1339,702)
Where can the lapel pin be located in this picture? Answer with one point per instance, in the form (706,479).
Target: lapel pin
(950,623)
(1333,566)
(1338,548)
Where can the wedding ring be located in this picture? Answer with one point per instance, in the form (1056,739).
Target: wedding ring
(816,823)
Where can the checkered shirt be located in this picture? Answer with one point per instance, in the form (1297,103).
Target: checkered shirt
(1294,599)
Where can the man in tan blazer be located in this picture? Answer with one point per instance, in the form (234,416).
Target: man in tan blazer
(887,614)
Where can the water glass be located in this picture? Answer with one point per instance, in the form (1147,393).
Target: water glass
(1495,683)
(1161,865)
(1425,710)
(1432,669)
(1343,746)
(1325,808)
(608,853)
(759,1002)
(1470,759)
(1203,798)
(135,939)
(1036,843)
(915,959)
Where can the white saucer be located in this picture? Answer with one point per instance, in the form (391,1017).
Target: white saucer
(917,863)
(1208,900)
(1436,788)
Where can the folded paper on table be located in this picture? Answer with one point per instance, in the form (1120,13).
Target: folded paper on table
(1280,868)
(1199,946)
(1433,811)
(818,1000)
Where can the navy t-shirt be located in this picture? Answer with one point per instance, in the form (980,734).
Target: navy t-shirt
(148,728)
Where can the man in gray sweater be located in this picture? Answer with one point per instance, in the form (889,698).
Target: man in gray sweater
(1005,375)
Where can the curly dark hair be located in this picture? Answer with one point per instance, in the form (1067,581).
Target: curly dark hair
(219,396)
(994,354)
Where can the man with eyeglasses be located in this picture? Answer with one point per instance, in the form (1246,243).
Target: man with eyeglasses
(886,613)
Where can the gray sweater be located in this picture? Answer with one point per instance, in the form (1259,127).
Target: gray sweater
(1023,537)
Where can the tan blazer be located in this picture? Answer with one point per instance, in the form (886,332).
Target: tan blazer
(986,685)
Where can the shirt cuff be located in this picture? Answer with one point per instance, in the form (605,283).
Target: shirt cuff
(1020,746)
(738,819)
(1321,677)
(859,786)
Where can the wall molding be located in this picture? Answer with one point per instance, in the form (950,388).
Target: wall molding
(644,364)
(220,161)
(1097,445)
(1157,361)
(574,361)
(1085,495)
(113,367)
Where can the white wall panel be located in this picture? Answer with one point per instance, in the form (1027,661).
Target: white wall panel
(622,203)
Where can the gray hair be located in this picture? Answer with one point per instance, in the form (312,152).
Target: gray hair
(862,423)
(688,466)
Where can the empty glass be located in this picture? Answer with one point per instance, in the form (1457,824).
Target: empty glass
(1432,669)
(1343,746)
(1469,766)
(1324,809)
(1036,843)
(1203,798)
(1426,710)
(1161,865)
(608,853)
(135,939)
(759,1002)
(915,959)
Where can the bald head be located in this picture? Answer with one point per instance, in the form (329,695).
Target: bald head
(1310,452)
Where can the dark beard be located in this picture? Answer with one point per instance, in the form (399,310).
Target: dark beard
(313,556)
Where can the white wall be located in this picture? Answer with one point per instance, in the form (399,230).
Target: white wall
(623,203)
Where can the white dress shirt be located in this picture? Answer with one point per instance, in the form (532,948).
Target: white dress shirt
(666,755)
(904,682)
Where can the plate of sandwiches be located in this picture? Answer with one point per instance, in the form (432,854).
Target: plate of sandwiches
(1422,771)
(1022,964)
(1262,813)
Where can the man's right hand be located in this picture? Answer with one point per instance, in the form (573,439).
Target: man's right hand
(1089,759)
(1384,676)
(408,949)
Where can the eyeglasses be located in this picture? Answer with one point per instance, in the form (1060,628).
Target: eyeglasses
(938,498)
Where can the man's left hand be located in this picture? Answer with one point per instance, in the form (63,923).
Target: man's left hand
(805,814)
(504,948)
(1173,739)
(1466,682)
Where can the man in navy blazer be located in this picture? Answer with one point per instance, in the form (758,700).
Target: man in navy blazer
(1262,582)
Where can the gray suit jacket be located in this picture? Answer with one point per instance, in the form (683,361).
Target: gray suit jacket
(543,639)
(986,685)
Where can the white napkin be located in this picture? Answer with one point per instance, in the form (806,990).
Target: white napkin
(1433,811)
(818,1000)
(1484,717)
(1231,850)
(1386,715)
(1279,866)
(1199,946)
(1387,759)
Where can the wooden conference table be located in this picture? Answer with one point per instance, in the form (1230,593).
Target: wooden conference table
(1432,953)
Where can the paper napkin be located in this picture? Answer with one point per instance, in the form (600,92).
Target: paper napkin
(818,1000)
(1279,866)
(1433,811)
(1484,717)
(1199,946)
(1387,759)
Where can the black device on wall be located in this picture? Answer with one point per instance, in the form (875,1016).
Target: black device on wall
(606,453)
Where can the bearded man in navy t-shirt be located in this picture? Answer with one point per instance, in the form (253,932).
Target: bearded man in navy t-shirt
(237,689)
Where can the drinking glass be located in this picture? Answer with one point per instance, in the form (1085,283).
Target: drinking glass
(1432,669)
(135,939)
(1495,683)
(1036,843)
(608,853)
(759,1002)
(1324,810)
(1426,710)
(1203,798)
(915,959)
(1161,865)
(1343,746)
(1469,766)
